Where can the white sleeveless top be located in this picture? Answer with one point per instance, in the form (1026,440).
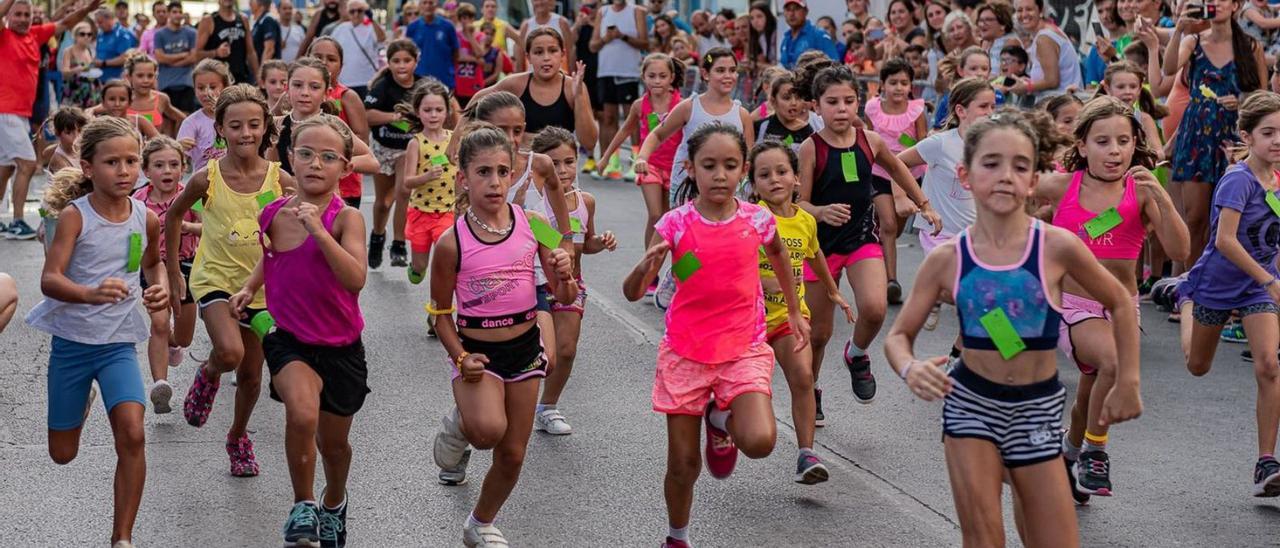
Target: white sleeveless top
(101,252)
(697,119)
(553,24)
(1068,63)
(618,59)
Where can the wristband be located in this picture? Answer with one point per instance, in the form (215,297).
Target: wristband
(432,310)
(458,360)
(907,369)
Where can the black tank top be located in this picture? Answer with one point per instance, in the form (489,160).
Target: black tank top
(283,142)
(833,184)
(235,33)
(538,116)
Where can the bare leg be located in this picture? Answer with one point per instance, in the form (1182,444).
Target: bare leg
(158,345)
(976,471)
(752,425)
(131,467)
(684,465)
(248,382)
(508,455)
(568,326)
(335,451)
(299,387)
(797,367)
(1045,500)
(1264,337)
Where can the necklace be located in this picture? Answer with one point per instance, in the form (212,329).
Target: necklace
(498,231)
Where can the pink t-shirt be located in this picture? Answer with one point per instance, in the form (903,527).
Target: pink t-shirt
(187,244)
(892,126)
(718,310)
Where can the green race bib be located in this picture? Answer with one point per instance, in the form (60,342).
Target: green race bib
(262,323)
(575,225)
(265,198)
(546,235)
(849,164)
(653,120)
(401,125)
(1002,333)
(198,207)
(789,140)
(439,160)
(1103,223)
(1274,202)
(135,253)
(906,140)
(686,266)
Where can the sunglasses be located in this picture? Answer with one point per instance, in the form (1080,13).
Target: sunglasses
(84,34)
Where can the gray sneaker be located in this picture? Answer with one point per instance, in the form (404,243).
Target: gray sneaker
(666,290)
(450,449)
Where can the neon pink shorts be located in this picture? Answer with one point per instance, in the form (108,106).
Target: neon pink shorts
(1077,309)
(838,261)
(682,386)
(655,176)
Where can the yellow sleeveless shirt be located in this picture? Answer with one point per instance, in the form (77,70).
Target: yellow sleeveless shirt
(436,196)
(229,249)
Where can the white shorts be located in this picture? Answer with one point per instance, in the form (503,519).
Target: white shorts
(928,241)
(15,140)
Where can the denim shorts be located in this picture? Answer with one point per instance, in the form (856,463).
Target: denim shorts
(74,366)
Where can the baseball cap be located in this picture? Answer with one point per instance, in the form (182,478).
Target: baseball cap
(800,3)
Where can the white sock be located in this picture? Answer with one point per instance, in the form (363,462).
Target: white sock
(1070,451)
(473,522)
(543,407)
(719,418)
(681,533)
(337,508)
(854,351)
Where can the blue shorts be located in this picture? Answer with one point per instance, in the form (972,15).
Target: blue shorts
(74,366)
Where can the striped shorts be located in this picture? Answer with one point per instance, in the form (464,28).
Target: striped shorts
(1024,422)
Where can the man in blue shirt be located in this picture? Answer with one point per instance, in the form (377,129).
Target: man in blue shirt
(437,42)
(802,35)
(113,41)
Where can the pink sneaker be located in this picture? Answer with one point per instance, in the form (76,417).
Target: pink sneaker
(674,543)
(721,453)
(175,356)
(199,401)
(243,463)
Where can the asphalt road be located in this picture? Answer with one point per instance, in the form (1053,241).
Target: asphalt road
(1182,472)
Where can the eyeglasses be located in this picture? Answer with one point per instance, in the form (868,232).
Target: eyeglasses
(304,156)
(84,34)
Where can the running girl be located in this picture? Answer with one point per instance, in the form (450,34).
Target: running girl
(117,95)
(1064,109)
(197,134)
(663,77)
(391,135)
(789,122)
(147,101)
(1002,411)
(972,99)
(429,191)
(720,70)
(832,162)
(315,354)
(232,191)
(773,176)
(1238,272)
(67,124)
(495,348)
(273,79)
(1124,81)
(559,145)
(900,122)
(92,288)
(163,163)
(550,97)
(714,364)
(350,109)
(965,64)
(1110,200)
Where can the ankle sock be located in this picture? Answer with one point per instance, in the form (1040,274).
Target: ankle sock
(1094,442)
(335,509)
(678,533)
(473,522)
(543,407)
(1071,452)
(854,351)
(720,418)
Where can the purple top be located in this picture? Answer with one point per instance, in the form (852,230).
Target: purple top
(1217,283)
(303,293)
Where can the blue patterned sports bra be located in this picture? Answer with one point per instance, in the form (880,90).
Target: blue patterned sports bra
(1017,288)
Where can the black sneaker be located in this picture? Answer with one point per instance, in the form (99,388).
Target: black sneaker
(20,230)
(303,526)
(1093,473)
(819,419)
(399,257)
(1266,478)
(895,292)
(864,383)
(376,243)
(333,526)
(1080,497)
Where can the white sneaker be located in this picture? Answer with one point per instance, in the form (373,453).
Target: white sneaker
(483,536)
(931,322)
(161,394)
(666,290)
(552,422)
(450,444)
(122,544)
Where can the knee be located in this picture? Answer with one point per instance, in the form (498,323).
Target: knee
(130,439)
(654,216)
(248,380)
(758,444)
(63,454)
(889,226)
(566,354)
(26,168)
(684,469)
(226,359)
(1265,370)
(301,419)
(335,450)
(485,434)
(158,328)
(510,459)
(820,333)
(1199,367)
(873,312)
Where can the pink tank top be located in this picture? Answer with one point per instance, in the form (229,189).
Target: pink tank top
(303,294)
(892,126)
(1123,242)
(663,157)
(495,286)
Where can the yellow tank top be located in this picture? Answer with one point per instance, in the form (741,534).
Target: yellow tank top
(229,248)
(436,196)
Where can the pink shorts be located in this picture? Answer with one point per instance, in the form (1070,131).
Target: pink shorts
(655,176)
(682,386)
(838,261)
(1077,309)
(928,241)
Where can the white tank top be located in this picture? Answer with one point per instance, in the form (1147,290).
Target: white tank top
(618,59)
(525,180)
(698,118)
(578,213)
(1068,63)
(102,251)
(553,24)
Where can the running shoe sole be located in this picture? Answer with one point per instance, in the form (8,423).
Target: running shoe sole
(1081,498)
(456,475)
(301,543)
(161,396)
(1269,487)
(813,475)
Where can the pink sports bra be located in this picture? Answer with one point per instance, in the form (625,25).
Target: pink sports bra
(495,286)
(1122,242)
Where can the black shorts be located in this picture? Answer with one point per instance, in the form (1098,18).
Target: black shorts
(185,268)
(593,92)
(353,201)
(881,185)
(618,91)
(215,296)
(342,369)
(512,360)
